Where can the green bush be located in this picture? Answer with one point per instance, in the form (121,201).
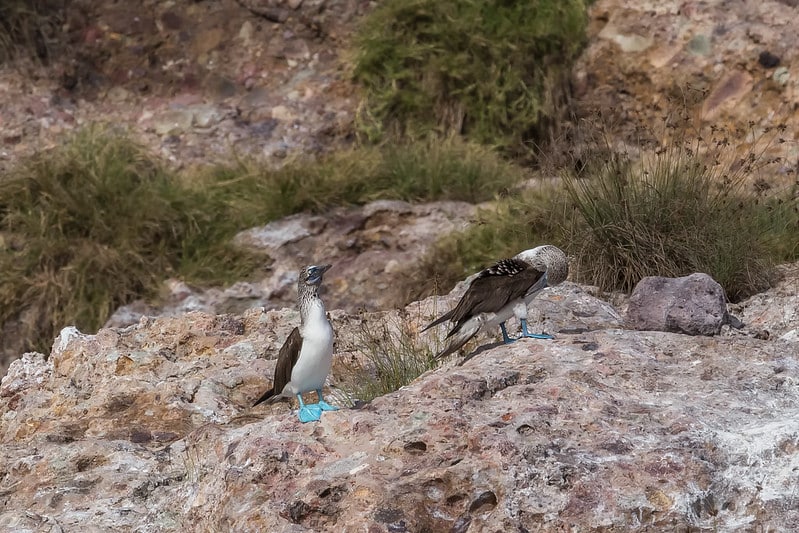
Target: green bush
(428,170)
(93,225)
(98,222)
(688,207)
(494,71)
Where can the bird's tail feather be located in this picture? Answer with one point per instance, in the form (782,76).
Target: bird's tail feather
(468,330)
(268,397)
(439,320)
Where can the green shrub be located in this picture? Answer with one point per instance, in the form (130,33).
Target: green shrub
(423,171)
(686,208)
(491,70)
(93,225)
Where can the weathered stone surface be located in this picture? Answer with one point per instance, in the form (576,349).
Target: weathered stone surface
(694,305)
(775,312)
(149,428)
(138,62)
(370,248)
(652,59)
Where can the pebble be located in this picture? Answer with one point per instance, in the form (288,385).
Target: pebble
(768,60)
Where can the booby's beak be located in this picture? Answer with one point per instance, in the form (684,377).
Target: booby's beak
(316,272)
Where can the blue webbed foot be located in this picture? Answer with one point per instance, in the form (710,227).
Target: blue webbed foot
(507,339)
(529,335)
(323,405)
(308,413)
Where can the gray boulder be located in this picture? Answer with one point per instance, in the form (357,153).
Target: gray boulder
(693,305)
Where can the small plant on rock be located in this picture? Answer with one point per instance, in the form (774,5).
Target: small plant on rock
(387,355)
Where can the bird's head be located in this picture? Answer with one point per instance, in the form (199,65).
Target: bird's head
(550,259)
(312,274)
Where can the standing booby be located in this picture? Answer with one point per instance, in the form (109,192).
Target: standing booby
(305,358)
(503,290)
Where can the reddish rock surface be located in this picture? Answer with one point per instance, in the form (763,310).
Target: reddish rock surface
(150,428)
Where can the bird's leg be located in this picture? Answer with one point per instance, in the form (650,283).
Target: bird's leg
(308,413)
(529,335)
(505,336)
(323,405)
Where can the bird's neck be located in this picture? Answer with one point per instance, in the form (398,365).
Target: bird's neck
(312,309)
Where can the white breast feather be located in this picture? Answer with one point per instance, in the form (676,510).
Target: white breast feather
(316,355)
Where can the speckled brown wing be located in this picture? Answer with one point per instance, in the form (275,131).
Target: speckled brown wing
(493,289)
(286,359)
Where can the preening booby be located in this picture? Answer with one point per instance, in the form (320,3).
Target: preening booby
(503,290)
(305,358)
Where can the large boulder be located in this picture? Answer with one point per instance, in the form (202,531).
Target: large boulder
(693,305)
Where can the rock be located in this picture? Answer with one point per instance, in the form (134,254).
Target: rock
(371,248)
(728,92)
(117,94)
(283,113)
(774,312)
(207,40)
(150,427)
(205,116)
(279,233)
(296,49)
(627,43)
(700,45)
(246,31)
(693,305)
(173,122)
(767,59)
(782,76)
(269,9)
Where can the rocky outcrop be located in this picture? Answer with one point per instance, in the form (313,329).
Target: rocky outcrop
(150,427)
(694,305)
(195,81)
(774,313)
(729,64)
(372,249)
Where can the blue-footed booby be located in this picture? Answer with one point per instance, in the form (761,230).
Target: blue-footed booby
(503,290)
(305,358)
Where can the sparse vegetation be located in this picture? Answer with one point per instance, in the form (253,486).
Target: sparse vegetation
(99,221)
(423,171)
(391,356)
(29,27)
(686,207)
(92,225)
(493,71)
